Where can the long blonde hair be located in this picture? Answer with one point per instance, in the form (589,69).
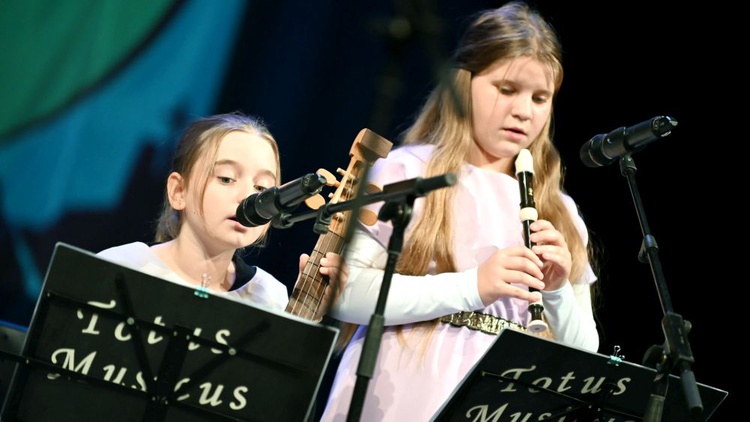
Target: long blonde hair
(511,31)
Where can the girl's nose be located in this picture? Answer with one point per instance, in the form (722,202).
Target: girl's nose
(522,107)
(245,191)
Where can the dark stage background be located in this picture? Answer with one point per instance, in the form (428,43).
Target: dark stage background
(318,72)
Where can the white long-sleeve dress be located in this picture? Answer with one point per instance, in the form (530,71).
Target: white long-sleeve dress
(412,380)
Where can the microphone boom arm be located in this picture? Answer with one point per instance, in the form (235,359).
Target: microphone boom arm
(415,187)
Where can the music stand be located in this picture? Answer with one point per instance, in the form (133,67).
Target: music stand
(526,377)
(110,343)
(11,342)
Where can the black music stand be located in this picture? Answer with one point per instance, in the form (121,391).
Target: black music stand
(526,377)
(110,343)
(12,337)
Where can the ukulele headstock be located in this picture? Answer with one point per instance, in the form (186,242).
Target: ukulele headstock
(367,147)
(307,295)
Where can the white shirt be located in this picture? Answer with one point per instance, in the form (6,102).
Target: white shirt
(263,289)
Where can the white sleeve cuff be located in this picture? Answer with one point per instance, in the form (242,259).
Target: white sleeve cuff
(568,312)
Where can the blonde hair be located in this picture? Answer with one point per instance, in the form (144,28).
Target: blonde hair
(511,31)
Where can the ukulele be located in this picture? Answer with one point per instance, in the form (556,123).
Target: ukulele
(308,291)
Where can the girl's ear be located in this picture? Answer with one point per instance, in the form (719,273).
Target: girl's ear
(177,191)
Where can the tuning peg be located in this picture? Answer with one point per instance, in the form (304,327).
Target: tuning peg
(330,178)
(316,201)
(371,188)
(367,217)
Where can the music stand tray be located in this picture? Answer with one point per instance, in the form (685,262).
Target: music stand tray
(110,343)
(523,377)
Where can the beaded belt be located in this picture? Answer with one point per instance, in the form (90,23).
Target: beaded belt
(485,323)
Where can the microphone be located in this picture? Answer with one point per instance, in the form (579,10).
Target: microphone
(604,149)
(260,208)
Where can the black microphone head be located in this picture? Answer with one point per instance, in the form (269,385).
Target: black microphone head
(591,152)
(603,150)
(247,214)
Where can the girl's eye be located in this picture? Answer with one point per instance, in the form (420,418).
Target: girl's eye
(260,188)
(225,180)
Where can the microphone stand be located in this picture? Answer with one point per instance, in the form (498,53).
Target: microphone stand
(399,200)
(676,352)
(399,212)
